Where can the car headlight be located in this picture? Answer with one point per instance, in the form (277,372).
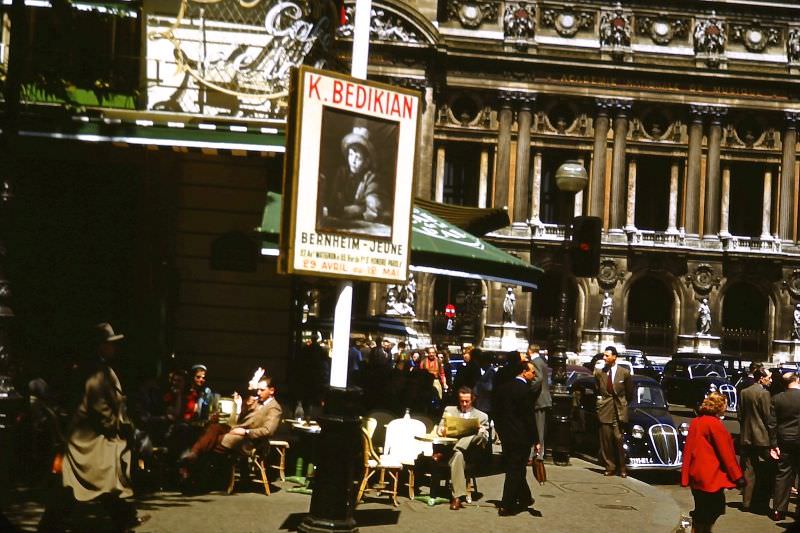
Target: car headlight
(684,429)
(637,432)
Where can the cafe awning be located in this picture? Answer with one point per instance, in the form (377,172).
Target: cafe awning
(437,246)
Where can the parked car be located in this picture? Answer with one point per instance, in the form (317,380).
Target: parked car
(687,381)
(576,371)
(652,440)
(778,385)
(641,365)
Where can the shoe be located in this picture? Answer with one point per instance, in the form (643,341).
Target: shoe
(455,504)
(608,473)
(623,474)
(437,457)
(777,516)
(502,511)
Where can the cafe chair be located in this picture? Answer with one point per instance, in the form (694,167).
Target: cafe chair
(383,465)
(370,425)
(382,418)
(402,445)
(280,447)
(256,460)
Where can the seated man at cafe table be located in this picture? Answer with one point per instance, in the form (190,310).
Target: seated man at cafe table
(258,419)
(472,438)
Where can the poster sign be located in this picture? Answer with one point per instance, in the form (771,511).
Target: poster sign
(349,176)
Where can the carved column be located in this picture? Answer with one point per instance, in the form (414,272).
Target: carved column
(521,185)
(425,146)
(536,187)
(618,188)
(766,214)
(503,159)
(630,220)
(483,178)
(725,203)
(673,198)
(786,209)
(438,192)
(579,196)
(712,207)
(692,209)
(597,185)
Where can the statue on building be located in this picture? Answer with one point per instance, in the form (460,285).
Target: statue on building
(615,29)
(519,21)
(796,323)
(395,304)
(703,317)
(793,45)
(710,37)
(410,293)
(606,310)
(508,306)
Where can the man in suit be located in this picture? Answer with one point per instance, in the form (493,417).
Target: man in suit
(259,419)
(515,424)
(783,425)
(614,390)
(468,446)
(754,407)
(543,401)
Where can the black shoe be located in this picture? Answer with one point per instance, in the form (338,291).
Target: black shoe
(502,511)
(777,516)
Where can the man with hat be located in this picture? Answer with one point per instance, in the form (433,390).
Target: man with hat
(97,457)
(356,191)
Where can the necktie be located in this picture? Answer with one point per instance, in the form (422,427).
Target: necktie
(610,384)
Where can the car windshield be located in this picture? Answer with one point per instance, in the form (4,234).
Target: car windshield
(706,369)
(650,395)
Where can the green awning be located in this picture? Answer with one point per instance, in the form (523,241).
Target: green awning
(172,134)
(437,247)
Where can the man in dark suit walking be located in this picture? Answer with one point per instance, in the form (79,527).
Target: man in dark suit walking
(783,425)
(754,407)
(614,389)
(514,421)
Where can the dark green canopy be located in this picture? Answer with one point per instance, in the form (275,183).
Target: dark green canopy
(437,246)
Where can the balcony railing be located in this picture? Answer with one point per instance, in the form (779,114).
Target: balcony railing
(656,238)
(554,232)
(750,243)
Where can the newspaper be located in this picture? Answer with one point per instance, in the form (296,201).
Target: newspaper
(461,427)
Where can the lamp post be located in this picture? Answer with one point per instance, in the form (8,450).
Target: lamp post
(571,177)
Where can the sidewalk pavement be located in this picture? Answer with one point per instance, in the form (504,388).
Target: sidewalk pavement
(575,498)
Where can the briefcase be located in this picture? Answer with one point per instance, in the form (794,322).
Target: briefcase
(539,473)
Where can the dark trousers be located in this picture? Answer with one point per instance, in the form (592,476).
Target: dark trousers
(758,471)
(60,503)
(516,491)
(788,468)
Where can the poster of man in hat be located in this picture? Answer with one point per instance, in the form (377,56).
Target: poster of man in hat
(357,159)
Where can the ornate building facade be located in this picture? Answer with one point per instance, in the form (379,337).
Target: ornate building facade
(685,118)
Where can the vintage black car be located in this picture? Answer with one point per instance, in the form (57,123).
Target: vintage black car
(652,440)
(687,381)
(641,364)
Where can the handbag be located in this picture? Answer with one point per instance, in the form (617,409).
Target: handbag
(539,473)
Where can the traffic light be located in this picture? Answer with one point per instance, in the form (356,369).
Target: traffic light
(585,246)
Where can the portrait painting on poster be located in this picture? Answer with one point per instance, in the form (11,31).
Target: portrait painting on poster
(348,177)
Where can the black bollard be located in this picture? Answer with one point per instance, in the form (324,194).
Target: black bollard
(339,456)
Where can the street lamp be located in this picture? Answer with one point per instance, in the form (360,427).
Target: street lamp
(570,177)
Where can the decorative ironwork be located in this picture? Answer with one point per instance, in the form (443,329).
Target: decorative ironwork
(472,14)
(519,23)
(709,40)
(615,30)
(793,46)
(568,22)
(384,26)
(755,37)
(258,43)
(662,30)
(703,279)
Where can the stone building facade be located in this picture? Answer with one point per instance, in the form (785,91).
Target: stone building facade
(685,118)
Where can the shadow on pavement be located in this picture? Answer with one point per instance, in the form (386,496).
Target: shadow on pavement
(364,518)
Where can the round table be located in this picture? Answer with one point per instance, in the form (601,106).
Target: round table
(307,432)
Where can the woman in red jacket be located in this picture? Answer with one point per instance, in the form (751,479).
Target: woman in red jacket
(709,463)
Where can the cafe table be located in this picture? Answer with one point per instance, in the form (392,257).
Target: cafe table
(307,432)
